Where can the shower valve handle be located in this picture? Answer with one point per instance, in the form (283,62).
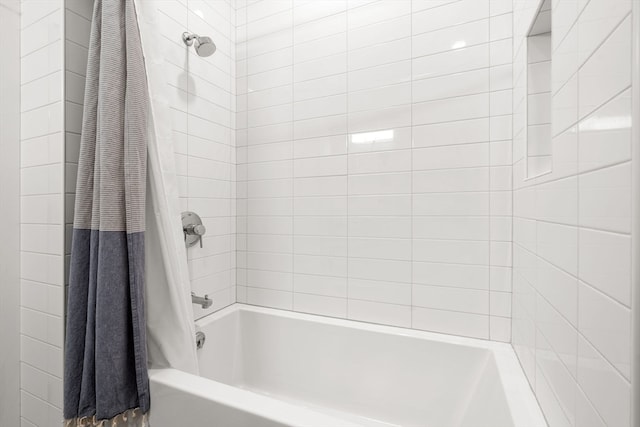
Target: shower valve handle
(193,228)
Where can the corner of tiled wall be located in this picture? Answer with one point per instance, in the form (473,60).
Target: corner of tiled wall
(42,216)
(10,213)
(241,148)
(572,242)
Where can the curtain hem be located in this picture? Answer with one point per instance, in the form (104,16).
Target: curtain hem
(130,418)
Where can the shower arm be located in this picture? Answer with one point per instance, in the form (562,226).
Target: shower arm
(188,38)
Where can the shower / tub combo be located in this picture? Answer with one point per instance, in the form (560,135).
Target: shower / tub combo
(266,367)
(322,213)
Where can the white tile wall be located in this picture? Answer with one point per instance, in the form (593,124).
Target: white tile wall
(10,213)
(77,28)
(203,93)
(571,300)
(42,218)
(374,161)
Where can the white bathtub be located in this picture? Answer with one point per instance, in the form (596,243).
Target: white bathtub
(264,367)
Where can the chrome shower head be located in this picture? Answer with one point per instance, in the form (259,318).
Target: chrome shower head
(203,45)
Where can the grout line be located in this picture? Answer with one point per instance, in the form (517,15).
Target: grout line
(412,278)
(293,149)
(348,152)
(489,187)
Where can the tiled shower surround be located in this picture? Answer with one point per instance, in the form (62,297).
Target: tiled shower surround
(571,229)
(374,161)
(365,159)
(202,95)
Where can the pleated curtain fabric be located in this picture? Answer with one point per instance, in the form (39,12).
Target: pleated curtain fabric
(105,378)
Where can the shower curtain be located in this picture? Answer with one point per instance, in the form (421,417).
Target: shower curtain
(170,326)
(106,381)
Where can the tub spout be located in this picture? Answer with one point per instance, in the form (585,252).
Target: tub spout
(204,301)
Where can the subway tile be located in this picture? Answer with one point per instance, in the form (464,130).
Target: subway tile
(379,248)
(451,322)
(396,227)
(451,180)
(380,205)
(320,166)
(451,251)
(606,324)
(451,204)
(451,228)
(320,245)
(318,27)
(270,298)
(376,312)
(380,291)
(379,76)
(448,39)
(605,199)
(452,299)
(451,62)
(377,12)
(320,48)
(452,85)
(320,87)
(452,275)
(605,388)
(452,109)
(311,12)
(320,284)
(559,336)
(449,157)
(500,329)
(559,289)
(317,68)
(378,184)
(586,415)
(607,72)
(385,31)
(501,27)
(395,51)
(379,98)
(597,21)
(605,263)
(554,385)
(452,133)
(319,304)
(558,244)
(377,269)
(449,15)
(319,107)
(605,135)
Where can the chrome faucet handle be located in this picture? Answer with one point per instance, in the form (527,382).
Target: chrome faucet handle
(192,228)
(195,230)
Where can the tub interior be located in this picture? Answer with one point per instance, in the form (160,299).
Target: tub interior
(369,377)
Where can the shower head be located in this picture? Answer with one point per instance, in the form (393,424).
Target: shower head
(203,45)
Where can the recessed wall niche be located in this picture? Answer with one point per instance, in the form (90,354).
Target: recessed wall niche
(539,149)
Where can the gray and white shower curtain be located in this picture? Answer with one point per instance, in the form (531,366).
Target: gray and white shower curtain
(105,380)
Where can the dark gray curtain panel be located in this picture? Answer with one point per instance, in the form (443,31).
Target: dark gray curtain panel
(105,380)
